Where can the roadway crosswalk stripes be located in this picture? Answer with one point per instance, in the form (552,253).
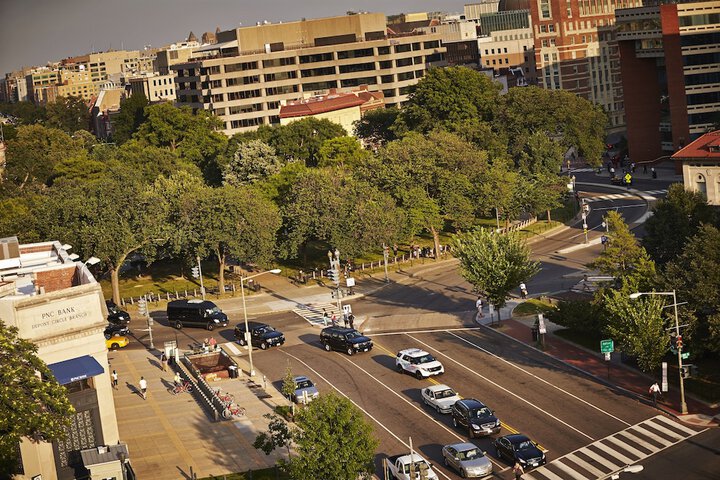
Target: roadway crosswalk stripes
(313,313)
(581,170)
(612,453)
(617,196)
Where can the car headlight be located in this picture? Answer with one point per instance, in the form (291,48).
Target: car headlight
(497,423)
(521,460)
(216,320)
(476,427)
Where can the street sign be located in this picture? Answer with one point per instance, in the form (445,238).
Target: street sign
(664,377)
(607,356)
(541,324)
(347,309)
(607,346)
(350,282)
(685,355)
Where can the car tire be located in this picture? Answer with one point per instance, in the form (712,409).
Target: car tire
(178,325)
(241,342)
(463,473)
(470,433)
(114,346)
(419,375)
(437,408)
(263,346)
(328,348)
(498,453)
(399,368)
(210,327)
(350,351)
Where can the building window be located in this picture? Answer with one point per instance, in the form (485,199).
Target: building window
(545,13)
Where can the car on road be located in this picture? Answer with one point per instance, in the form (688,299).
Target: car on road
(467,459)
(440,397)
(519,448)
(115,315)
(476,417)
(410,467)
(195,313)
(113,330)
(345,340)
(418,363)
(262,335)
(305,390)
(113,343)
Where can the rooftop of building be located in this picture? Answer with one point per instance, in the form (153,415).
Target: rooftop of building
(331,102)
(37,268)
(707,147)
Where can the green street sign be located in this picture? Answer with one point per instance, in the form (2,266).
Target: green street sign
(685,355)
(607,346)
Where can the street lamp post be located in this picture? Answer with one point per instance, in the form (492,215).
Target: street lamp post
(248,341)
(683,405)
(626,469)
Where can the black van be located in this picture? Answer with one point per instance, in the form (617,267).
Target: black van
(261,335)
(195,313)
(115,315)
(345,339)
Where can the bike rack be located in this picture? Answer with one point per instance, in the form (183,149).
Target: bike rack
(207,396)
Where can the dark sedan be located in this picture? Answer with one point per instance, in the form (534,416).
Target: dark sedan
(519,448)
(113,330)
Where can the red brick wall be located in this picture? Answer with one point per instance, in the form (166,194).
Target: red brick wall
(642,103)
(675,78)
(56,278)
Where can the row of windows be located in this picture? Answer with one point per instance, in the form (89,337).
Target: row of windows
(238,67)
(700,39)
(278,62)
(703,98)
(702,59)
(700,19)
(703,78)
(162,81)
(246,122)
(168,92)
(231,96)
(499,62)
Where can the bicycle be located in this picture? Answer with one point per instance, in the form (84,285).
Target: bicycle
(182,388)
(226,398)
(231,410)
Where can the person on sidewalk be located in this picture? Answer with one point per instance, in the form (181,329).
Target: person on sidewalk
(351,319)
(653,172)
(213,344)
(479,306)
(654,391)
(114,376)
(523,290)
(163,361)
(518,471)
(333,320)
(346,321)
(143,387)
(177,380)
(325,317)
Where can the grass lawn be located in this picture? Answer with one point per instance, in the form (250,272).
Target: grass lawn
(533,307)
(273,473)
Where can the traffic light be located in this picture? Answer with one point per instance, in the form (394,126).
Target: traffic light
(685,371)
(196,272)
(678,342)
(142,307)
(334,275)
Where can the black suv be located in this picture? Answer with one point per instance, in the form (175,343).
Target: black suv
(115,315)
(345,339)
(261,335)
(113,330)
(476,417)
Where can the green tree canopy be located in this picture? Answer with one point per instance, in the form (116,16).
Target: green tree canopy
(32,403)
(376,126)
(253,161)
(494,264)
(68,114)
(129,118)
(675,219)
(27,112)
(334,440)
(341,151)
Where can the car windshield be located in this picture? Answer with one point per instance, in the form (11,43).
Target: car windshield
(525,445)
(265,329)
(445,393)
(427,358)
(210,311)
(480,412)
(303,384)
(417,466)
(471,454)
(353,334)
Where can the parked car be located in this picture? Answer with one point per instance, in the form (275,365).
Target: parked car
(410,467)
(467,459)
(115,315)
(262,335)
(418,362)
(113,343)
(345,340)
(113,330)
(305,390)
(476,417)
(195,313)
(519,448)
(440,397)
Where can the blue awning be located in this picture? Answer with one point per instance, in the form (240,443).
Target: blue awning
(76,369)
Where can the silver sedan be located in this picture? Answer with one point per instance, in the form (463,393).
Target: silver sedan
(467,459)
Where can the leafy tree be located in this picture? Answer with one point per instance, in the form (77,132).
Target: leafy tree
(456,99)
(85,139)
(544,193)
(148,161)
(525,115)
(68,114)
(579,315)
(129,118)
(32,403)
(27,112)
(278,435)
(499,190)
(638,326)
(288,385)
(624,258)
(494,264)
(252,161)
(302,139)
(32,156)
(675,219)
(18,217)
(341,151)
(376,126)
(695,274)
(334,440)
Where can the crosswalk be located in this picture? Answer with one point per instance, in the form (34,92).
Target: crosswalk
(617,196)
(313,313)
(581,170)
(603,457)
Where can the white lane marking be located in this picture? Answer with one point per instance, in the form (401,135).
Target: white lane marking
(625,447)
(567,469)
(505,389)
(639,442)
(679,426)
(599,459)
(440,329)
(542,380)
(585,465)
(647,433)
(663,430)
(358,406)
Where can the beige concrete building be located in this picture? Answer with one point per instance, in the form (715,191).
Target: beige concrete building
(103,65)
(701,166)
(252,69)
(104,109)
(42,85)
(56,303)
(155,87)
(77,84)
(174,54)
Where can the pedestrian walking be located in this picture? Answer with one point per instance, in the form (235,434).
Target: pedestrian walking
(612,171)
(395,250)
(177,380)
(213,344)
(645,168)
(479,306)
(654,391)
(346,321)
(114,376)
(351,319)
(325,317)
(518,471)
(334,320)
(163,361)
(143,387)
(523,290)
(653,172)
(632,167)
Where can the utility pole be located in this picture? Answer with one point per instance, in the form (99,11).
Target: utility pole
(202,287)
(385,257)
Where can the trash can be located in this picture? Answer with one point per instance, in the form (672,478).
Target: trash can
(233,371)
(535,334)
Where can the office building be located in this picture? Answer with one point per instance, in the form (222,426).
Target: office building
(77,84)
(252,69)
(155,87)
(700,164)
(56,303)
(506,45)
(670,74)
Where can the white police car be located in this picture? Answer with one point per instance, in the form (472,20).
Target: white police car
(418,363)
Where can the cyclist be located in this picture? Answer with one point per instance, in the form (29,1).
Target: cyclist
(177,380)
